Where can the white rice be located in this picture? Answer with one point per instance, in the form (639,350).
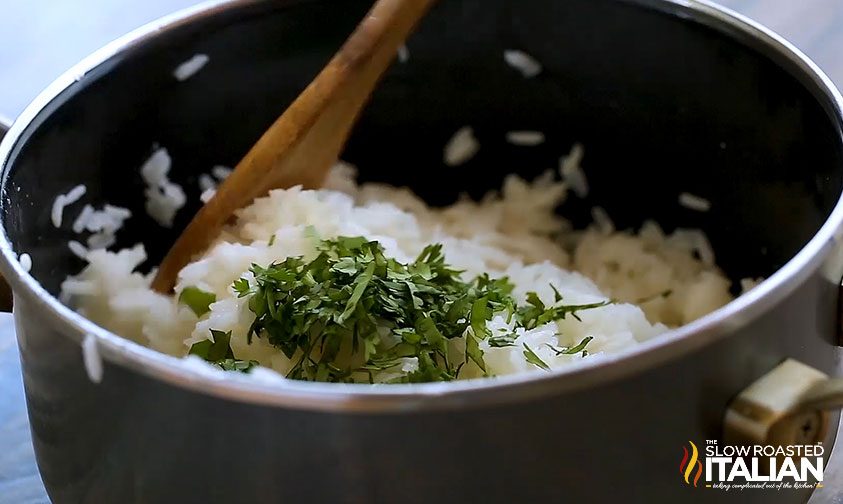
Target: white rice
(403,54)
(25,261)
(461,147)
(103,224)
(206,182)
(702,247)
(63,200)
(342,178)
(56,212)
(78,249)
(189,68)
(694,202)
(75,287)
(523,62)
(163,197)
(207,194)
(82,219)
(571,171)
(110,219)
(101,240)
(643,266)
(91,358)
(508,233)
(221,172)
(525,138)
(602,222)
(749,283)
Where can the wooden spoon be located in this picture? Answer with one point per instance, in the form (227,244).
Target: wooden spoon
(303,144)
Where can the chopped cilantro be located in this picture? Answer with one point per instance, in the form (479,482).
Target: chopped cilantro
(502,340)
(351,312)
(534,359)
(197,300)
(580,347)
(218,351)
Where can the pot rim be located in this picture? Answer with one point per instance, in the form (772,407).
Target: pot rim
(351,398)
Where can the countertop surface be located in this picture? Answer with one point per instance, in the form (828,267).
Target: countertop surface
(39,39)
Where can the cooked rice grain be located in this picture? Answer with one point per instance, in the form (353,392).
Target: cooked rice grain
(78,249)
(163,197)
(190,67)
(525,138)
(523,62)
(64,200)
(25,261)
(91,358)
(572,173)
(461,147)
(403,54)
(694,202)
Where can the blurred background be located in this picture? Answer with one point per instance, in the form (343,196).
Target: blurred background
(40,39)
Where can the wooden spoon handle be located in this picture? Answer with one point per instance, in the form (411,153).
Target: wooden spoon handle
(303,144)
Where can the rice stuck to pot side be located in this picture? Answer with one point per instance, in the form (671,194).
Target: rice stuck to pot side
(512,233)
(403,54)
(462,146)
(63,200)
(525,138)
(189,68)
(523,62)
(164,198)
(694,202)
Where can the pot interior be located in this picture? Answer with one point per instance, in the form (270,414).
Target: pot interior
(662,104)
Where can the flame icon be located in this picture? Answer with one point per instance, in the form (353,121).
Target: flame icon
(686,467)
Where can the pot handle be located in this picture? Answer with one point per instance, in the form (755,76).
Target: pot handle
(5,290)
(789,405)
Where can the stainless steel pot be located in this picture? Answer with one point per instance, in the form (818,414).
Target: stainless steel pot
(667,96)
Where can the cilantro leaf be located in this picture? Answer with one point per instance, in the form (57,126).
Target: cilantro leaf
(360,284)
(580,347)
(474,352)
(218,351)
(215,349)
(534,359)
(502,340)
(237,365)
(197,300)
